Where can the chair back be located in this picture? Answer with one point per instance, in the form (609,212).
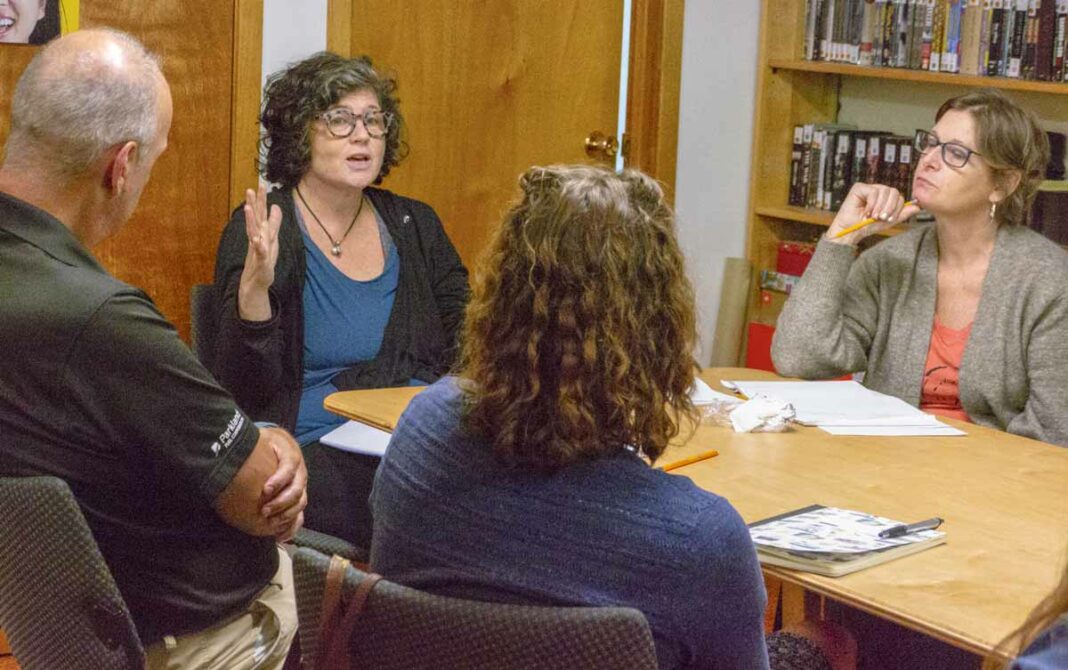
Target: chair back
(405,629)
(204,316)
(59,604)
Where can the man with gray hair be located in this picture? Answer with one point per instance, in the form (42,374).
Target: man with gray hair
(185,496)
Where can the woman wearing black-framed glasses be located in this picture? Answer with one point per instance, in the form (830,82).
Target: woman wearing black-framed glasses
(966,318)
(331,283)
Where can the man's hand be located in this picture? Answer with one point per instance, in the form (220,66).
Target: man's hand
(285,492)
(268,494)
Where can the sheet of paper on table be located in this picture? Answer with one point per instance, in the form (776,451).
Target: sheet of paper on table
(358,438)
(848,408)
(702,394)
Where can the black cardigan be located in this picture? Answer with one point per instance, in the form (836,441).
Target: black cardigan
(262,363)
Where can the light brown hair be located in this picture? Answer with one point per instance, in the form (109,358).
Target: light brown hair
(1011,142)
(579,335)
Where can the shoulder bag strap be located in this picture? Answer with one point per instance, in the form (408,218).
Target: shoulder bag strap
(335,577)
(336,654)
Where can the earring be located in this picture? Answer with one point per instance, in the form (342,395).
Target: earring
(993,210)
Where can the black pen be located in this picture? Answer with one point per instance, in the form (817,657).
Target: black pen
(903,529)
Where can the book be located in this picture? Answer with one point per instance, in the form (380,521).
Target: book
(1016,39)
(971,37)
(938,35)
(1047,19)
(996,39)
(796,153)
(832,541)
(951,41)
(926,34)
(1060,42)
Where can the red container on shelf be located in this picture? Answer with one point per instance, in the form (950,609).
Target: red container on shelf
(793,257)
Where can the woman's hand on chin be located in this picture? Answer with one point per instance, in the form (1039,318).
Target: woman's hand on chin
(869,201)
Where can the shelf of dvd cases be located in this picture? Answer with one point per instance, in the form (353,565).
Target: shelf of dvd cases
(920,76)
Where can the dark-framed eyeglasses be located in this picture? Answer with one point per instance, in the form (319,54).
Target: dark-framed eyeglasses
(954,154)
(341,122)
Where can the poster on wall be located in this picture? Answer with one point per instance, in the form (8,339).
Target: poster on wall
(36,21)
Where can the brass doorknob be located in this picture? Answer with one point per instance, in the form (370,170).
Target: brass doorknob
(601,146)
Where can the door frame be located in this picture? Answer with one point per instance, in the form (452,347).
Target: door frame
(245,97)
(651,141)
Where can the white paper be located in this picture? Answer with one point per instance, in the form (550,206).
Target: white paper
(941,430)
(848,408)
(702,394)
(358,438)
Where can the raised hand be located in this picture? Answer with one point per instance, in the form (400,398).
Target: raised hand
(253,303)
(883,203)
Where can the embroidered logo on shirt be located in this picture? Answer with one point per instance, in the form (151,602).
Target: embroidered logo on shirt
(226,439)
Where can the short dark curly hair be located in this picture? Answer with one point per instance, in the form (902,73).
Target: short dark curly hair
(294,97)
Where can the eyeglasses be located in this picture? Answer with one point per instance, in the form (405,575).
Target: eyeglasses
(954,154)
(342,122)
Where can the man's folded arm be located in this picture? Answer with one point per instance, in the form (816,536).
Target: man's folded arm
(267,495)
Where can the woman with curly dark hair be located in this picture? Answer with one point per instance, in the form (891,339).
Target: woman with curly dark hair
(528,477)
(330,283)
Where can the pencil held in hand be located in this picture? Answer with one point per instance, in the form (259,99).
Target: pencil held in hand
(866,222)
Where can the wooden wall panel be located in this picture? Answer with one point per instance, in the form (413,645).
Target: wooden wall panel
(13,60)
(169,244)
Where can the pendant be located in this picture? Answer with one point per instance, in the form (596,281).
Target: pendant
(336,249)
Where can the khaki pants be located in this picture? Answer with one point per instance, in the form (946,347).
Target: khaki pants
(259,639)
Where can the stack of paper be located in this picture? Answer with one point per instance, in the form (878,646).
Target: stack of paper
(847,408)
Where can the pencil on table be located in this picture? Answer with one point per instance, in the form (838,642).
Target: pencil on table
(866,222)
(711,453)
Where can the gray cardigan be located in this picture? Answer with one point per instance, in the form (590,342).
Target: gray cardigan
(875,313)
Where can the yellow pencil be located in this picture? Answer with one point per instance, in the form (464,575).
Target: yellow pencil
(865,222)
(712,453)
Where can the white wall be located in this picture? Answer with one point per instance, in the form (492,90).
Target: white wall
(291,31)
(717,99)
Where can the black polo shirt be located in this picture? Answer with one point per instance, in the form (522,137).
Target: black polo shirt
(97,388)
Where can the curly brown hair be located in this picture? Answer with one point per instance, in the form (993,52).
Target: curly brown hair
(579,336)
(294,97)
(1012,144)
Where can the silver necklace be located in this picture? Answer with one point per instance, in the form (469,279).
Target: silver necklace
(335,245)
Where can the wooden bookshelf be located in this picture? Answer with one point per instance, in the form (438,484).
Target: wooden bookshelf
(793,91)
(922,76)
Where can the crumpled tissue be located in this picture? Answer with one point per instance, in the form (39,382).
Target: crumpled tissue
(759,414)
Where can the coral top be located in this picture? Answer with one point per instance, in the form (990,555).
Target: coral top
(941,376)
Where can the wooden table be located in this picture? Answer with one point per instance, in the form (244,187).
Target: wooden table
(1004,499)
(382,408)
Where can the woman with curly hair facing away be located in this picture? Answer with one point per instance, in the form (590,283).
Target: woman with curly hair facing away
(330,283)
(527,478)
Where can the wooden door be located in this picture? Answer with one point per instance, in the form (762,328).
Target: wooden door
(170,242)
(488,89)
